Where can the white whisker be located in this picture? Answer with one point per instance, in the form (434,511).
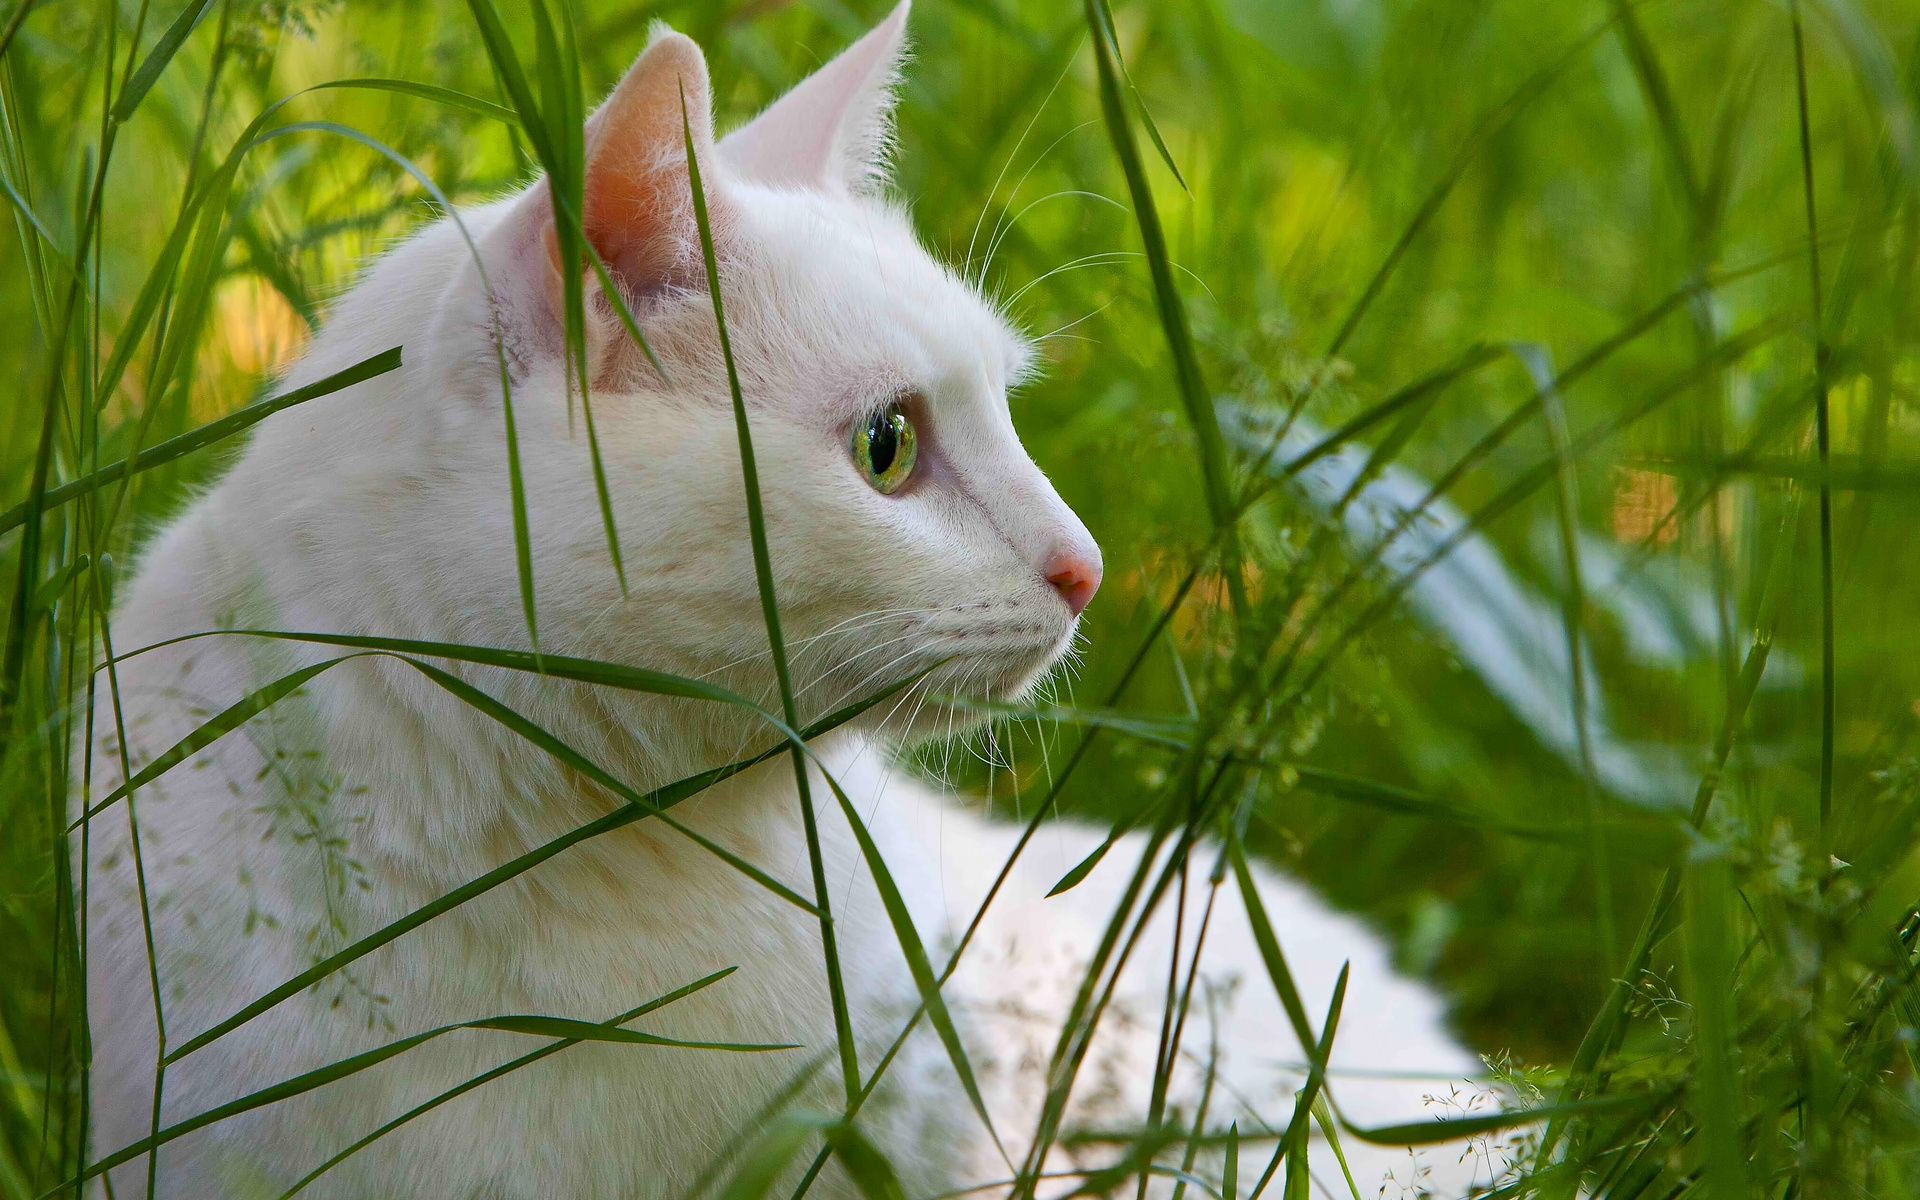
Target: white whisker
(1008,164)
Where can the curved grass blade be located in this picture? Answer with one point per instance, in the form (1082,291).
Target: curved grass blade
(737,1143)
(1194,395)
(612,293)
(516,482)
(588,1031)
(1080,870)
(212,730)
(1153,727)
(1276,962)
(1142,1149)
(917,963)
(49,247)
(207,252)
(539,124)
(157,59)
(1427,1133)
(559,1027)
(512,76)
(506,1068)
(562,110)
(579,670)
(509,65)
(55,585)
(1387,798)
(174,359)
(1538,362)
(1139,104)
(635,679)
(160,277)
(592,770)
(1293,1144)
(1323,1116)
(206,435)
(427,91)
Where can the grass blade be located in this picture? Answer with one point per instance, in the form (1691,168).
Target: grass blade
(562,110)
(1194,395)
(427,91)
(1428,1133)
(770,612)
(157,59)
(506,1068)
(1230,1173)
(207,434)
(588,1031)
(869,1169)
(1710,932)
(579,670)
(1823,422)
(1323,1116)
(758,1169)
(1139,104)
(1539,364)
(1080,870)
(512,76)
(579,762)
(558,1027)
(917,963)
(1276,962)
(1293,1144)
(212,730)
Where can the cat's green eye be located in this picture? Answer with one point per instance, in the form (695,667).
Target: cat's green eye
(884,448)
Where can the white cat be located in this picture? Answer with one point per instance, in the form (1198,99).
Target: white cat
(385,510)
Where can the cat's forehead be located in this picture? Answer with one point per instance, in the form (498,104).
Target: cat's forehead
(849,280)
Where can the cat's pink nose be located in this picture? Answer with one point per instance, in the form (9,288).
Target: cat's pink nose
(1075,577)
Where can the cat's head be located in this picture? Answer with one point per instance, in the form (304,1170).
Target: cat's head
(908,526)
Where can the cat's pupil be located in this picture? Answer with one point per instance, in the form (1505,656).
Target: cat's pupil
(883,441)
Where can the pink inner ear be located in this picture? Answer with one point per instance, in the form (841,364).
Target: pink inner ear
(639,210)
(825,131)
(629,220)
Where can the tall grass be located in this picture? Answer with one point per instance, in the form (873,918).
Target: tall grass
(1374,333)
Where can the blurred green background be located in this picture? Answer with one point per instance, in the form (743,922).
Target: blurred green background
(1372,193)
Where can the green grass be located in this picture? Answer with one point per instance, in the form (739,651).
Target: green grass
(1623,290)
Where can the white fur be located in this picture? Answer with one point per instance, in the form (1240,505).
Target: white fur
(384,509)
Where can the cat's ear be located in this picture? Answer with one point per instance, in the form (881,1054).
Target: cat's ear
(833,131)
(639,204)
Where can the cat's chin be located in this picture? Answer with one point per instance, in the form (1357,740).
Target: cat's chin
(961,695)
